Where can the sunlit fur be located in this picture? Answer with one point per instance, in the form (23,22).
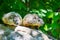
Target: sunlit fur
(32,21)
(12,18)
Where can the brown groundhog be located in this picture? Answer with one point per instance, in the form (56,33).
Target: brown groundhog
(12,18)
(32,21)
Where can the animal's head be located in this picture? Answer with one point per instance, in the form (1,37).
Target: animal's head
(32,21)
(12,18)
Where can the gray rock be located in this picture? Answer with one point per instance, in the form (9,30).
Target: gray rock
(34,35)
(17,36)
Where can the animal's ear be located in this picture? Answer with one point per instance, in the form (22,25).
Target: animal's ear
(12,18)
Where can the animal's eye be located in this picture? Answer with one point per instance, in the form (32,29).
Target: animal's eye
(38,20)
(15,21)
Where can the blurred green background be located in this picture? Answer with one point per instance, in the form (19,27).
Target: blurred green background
(48,10)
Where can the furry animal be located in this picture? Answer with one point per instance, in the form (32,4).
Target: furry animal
(32,21)
(12,18)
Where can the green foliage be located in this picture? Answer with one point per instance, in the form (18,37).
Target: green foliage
(44,8)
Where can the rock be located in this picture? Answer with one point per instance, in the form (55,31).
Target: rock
(23,33)
(4,31)
(27,35)
(23,30)
(17,36)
